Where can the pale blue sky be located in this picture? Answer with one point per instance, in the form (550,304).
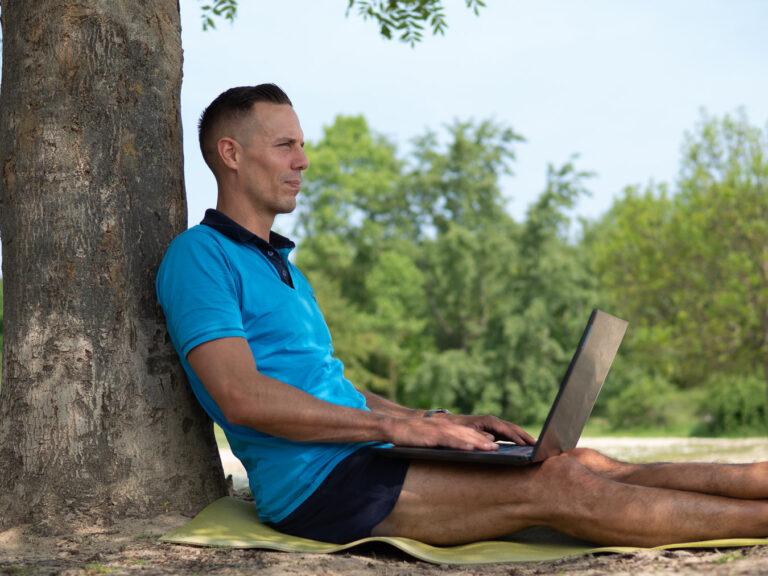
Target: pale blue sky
(616,81)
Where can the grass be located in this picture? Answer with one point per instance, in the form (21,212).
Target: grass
(98,569)
(730,557)
(19,570)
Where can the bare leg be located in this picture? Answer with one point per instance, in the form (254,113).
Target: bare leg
(451,504)
(748,481)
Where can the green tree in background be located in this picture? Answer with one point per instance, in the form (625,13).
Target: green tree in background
(722,222)
(433,293)
(499,324)
(356,248)
(634,262)
(437,296)
(463,233)
(691,268)
(544,304)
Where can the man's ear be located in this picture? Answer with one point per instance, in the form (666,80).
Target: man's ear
(229,152)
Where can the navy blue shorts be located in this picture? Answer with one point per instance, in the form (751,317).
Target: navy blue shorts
(360,492)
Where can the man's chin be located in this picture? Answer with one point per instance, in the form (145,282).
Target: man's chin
(287,208)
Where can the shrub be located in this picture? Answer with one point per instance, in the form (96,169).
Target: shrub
(734,405)
(647,401)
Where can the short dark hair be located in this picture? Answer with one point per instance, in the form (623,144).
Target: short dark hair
(234,103)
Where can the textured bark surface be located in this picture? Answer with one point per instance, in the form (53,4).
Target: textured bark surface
(96,418)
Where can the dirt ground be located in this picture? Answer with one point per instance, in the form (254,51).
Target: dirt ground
(132,546)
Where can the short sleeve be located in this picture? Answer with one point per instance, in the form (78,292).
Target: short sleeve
(199,291)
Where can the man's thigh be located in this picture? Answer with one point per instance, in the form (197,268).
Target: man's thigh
(449,503)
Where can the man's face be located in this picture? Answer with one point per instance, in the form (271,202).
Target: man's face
(272,158)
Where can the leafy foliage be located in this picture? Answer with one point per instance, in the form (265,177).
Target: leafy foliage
(734,405)
(690,268)
(353,225)
(405,19)
(693,268)
(217,9)
(434,294)
(645,400)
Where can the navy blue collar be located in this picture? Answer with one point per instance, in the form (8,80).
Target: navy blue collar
(224,224)
(276,250)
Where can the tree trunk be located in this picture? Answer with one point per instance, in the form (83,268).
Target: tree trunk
(96,418)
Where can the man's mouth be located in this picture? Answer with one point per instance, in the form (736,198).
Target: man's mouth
(294,183)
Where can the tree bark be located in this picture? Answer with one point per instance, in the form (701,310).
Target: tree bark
(96,418)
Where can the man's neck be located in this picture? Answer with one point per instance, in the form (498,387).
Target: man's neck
(259,225)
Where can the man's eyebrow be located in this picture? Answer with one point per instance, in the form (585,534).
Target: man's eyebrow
(288,140)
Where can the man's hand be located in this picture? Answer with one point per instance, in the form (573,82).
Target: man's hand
(494,427)
(456,431)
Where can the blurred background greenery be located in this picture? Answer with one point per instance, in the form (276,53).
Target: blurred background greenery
(436,296)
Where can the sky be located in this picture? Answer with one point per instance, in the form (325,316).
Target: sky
(617,82)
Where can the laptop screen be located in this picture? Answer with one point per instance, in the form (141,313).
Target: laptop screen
(581,384)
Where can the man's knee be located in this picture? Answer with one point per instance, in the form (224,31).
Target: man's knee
(584,453)
(590,458)
(565,468)
(598,463)
(568,487)
(585,473)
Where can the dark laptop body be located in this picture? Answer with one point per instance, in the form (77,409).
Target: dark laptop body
(570,410)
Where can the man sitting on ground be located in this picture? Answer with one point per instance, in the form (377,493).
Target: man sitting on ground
(258,355)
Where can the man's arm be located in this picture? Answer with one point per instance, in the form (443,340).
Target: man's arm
(248,398)
(386,407)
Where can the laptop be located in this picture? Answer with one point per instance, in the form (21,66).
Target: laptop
(569,413)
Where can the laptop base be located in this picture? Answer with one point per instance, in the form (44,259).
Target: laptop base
(508,454)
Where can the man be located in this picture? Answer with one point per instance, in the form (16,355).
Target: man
(259,359)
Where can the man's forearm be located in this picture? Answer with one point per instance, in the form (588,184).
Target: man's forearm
(282,410)
(385,407)
(248,398)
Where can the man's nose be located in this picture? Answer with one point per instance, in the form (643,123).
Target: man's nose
(301,162)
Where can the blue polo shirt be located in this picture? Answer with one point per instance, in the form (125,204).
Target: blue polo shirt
(218,280)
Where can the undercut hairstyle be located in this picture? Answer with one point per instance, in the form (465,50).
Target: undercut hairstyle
(233,105)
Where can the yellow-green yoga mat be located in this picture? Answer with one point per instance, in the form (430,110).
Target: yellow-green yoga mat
(233,523)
